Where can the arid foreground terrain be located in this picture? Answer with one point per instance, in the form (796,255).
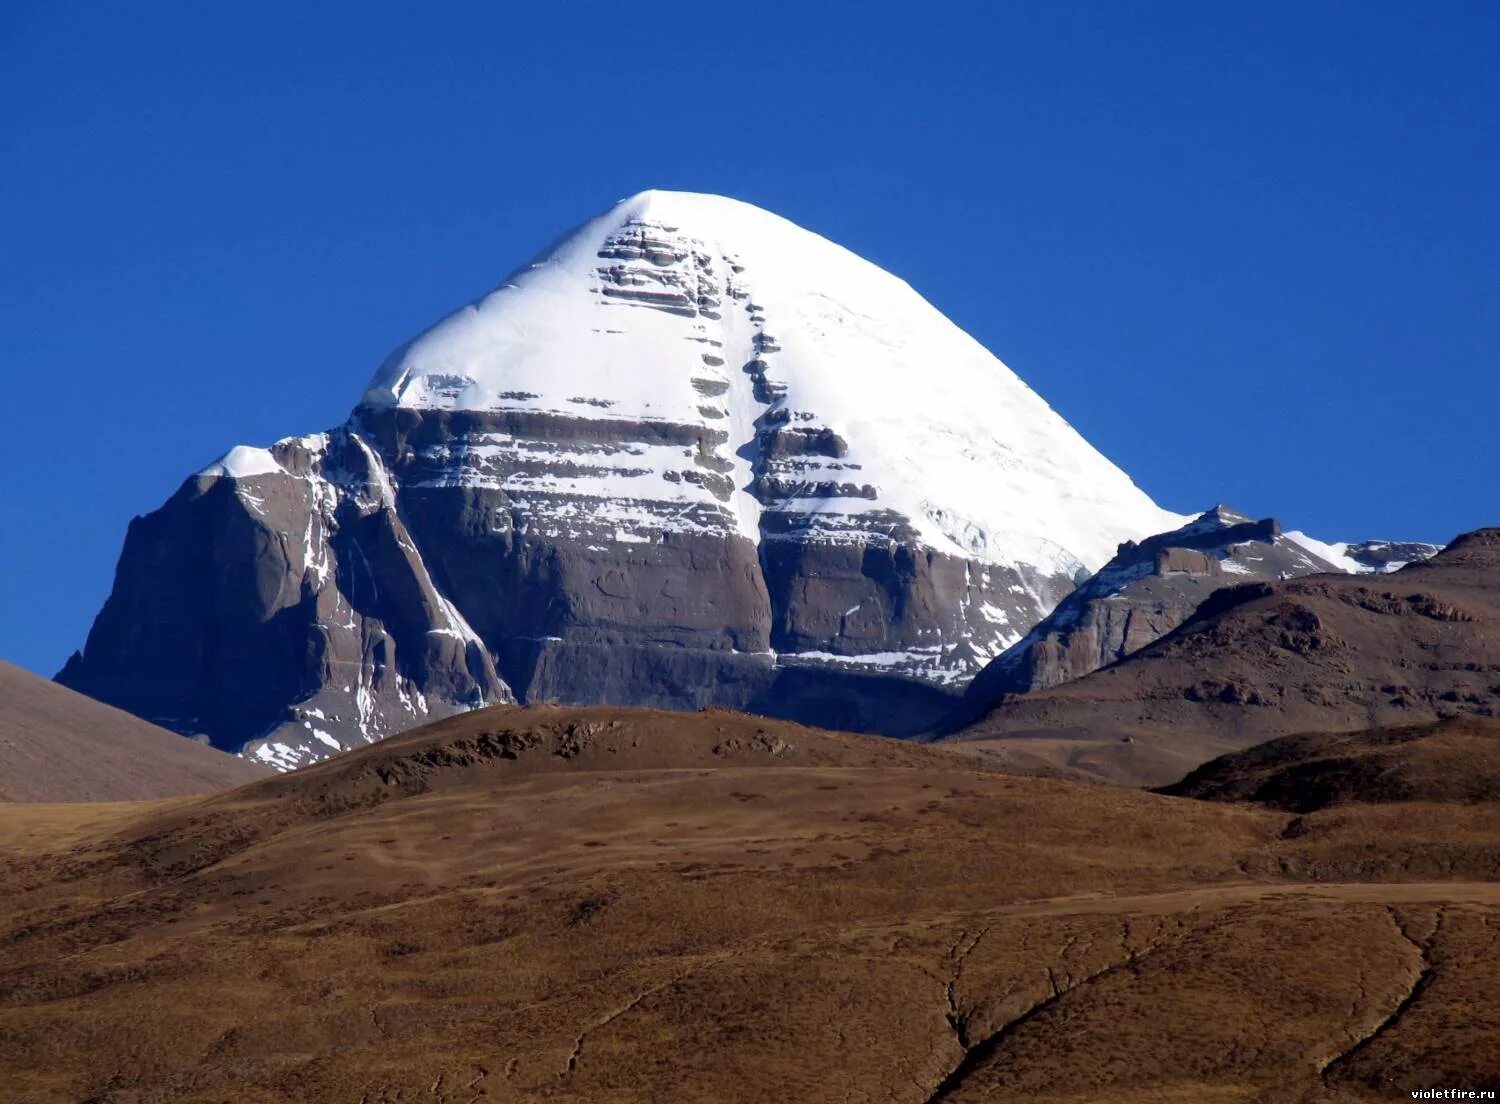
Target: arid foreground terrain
(610,905)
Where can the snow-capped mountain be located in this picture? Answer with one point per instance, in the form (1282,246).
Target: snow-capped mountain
(692,455)
(1152,586)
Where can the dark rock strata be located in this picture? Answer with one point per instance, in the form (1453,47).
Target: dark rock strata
(354,583)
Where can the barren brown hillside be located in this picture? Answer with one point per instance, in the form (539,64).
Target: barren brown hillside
(613,905)
(57,745)
(1453,761)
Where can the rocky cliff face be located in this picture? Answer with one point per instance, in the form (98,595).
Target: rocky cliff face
(280,598)
(693,455)
(1151,587)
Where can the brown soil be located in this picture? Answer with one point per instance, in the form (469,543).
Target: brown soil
(625,906)
(1325,653)
(56,745)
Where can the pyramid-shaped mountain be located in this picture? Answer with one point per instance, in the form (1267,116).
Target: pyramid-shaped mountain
(692,455)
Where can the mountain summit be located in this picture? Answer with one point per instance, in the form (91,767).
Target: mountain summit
(824,390)
(691,455)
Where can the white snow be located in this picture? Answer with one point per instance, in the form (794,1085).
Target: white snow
(243,461)
(279,756)
(255,502)
(947,435)
(1335,554)
(869,659)
(1338,554)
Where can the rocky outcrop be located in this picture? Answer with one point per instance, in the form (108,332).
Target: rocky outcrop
(1147,590)
(1151,587)
(1322,653)
(279,603)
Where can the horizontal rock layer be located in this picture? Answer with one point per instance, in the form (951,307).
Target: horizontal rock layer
(395,570)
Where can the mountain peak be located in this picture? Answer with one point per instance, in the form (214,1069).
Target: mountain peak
(778,349)
(669,204)
(692,454)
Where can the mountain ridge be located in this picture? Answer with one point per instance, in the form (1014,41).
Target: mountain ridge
(1152,586)
(1320,653)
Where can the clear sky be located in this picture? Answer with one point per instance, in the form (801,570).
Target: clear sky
(1249,250)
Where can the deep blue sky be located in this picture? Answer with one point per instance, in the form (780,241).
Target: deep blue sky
(1250,251)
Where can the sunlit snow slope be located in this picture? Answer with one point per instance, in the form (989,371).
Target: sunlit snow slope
(697,310)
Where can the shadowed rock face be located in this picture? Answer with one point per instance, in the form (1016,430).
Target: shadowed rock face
(1150,588)
(282,605)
